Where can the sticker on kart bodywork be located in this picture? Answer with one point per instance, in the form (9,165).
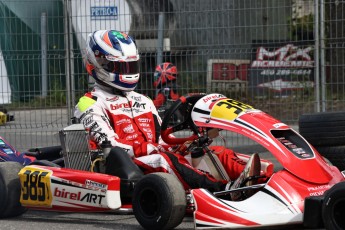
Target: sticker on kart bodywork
(35,186)
(229,109)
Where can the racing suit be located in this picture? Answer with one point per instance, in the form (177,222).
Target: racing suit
(164,94)
(130,120)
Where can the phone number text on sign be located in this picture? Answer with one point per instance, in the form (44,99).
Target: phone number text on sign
(286,72)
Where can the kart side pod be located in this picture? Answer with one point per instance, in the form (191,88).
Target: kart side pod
(326,211)
(62,189)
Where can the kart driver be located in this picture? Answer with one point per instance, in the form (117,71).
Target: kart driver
(129,120)
(165,83)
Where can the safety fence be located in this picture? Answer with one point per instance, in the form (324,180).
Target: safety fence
(285,57)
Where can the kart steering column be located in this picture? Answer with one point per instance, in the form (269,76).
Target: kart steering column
(203,142)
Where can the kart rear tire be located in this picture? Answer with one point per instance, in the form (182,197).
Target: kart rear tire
(333,208)
(10,190)
(159,201)
(323,129)
(335,154)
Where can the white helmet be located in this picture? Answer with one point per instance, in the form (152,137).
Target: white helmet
(112,59)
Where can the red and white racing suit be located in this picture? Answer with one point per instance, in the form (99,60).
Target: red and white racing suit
(161,98)
(130,120)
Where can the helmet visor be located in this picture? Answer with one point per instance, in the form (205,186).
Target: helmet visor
(120,67)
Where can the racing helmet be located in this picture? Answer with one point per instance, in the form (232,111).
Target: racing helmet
(112,59)
(164,73)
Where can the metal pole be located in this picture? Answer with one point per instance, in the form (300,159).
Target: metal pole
(317,57)
(67,61)
(160,38)
(71,60)
(44,81)
(322,55)
(71,56)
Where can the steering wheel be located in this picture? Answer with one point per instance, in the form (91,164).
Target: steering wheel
(184,105)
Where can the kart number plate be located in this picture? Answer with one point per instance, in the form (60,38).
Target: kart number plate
(35,187)
(229,109)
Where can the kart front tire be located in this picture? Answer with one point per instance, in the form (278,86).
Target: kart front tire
(333,208)
(159,201)
(10,190)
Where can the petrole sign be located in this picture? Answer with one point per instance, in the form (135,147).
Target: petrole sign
(103,12)
(281,68)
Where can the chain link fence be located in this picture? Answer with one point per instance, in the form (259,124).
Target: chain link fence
(285,57)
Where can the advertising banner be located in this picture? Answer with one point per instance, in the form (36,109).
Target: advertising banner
(280,68)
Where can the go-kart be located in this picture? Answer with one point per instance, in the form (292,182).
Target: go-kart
(307,190)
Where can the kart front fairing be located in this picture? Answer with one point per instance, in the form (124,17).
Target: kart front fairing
(280,201)
(292,151)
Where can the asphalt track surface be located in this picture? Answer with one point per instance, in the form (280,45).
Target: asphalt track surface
(32,220)
(53,221)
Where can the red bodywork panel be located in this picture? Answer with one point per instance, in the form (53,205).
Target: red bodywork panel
(62,189)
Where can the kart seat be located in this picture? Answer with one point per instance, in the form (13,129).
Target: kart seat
(118,163)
